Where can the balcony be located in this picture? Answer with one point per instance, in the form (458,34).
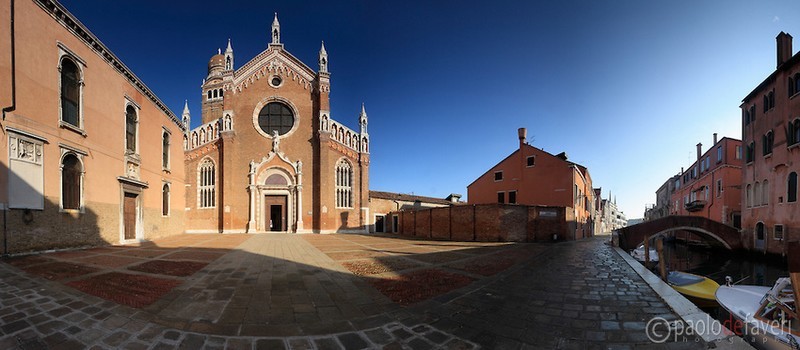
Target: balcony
(695,205)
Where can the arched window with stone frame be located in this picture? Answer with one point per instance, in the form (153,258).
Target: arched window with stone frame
(206,184)
(344,184)
(70,92)
(165,141)
(131,125)
(165,200)
(71,182)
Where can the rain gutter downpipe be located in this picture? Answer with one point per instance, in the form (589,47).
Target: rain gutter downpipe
(10,108)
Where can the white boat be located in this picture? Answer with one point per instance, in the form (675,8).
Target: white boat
(765,316)
(638,254)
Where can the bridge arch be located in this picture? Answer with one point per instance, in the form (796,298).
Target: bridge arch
(729,237)
(701,231)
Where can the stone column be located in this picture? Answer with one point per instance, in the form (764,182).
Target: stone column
(299,193)
(251,189)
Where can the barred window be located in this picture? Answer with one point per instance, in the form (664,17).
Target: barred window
(130,129)
(344,184)
(165,200)
(165,150)
(207,182)
(70,93)
(71,182)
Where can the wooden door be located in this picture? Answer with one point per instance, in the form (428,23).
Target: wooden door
(275,213)
(129,215)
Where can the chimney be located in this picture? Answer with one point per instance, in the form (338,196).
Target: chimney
(715,139)
(523,135)
(784,42)
(699,150)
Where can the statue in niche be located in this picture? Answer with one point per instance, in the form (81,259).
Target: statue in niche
(299,167)
(252,167)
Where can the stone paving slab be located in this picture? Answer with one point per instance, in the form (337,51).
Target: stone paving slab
(575,295)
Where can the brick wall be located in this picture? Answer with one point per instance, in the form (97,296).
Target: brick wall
(488,223)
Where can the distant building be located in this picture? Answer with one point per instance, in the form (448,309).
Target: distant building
(663,205)
(531,176)
(710,187)
(382,203)
(771,137)
(610,216)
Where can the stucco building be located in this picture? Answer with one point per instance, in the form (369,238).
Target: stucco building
(771,138)
(711,186)
(531,176)
(89,154)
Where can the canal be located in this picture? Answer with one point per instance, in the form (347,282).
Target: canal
(716,264)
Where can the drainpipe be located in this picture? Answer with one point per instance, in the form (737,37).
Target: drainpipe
(13,106)
(10,108)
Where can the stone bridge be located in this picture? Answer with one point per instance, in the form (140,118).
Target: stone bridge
(714,232)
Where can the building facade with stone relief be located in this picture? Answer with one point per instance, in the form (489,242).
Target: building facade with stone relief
(88,154)
(268,155)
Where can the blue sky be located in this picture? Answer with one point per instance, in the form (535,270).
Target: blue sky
(625,87)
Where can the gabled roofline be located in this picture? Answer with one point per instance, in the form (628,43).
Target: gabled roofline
(515,152)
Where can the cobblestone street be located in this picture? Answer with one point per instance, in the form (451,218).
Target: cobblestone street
(278,291)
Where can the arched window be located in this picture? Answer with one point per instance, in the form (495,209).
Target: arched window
(209,95)
(344,184)
(748,196)
(215,93)
(796,82)
(760,231)
(206,184)
(766,104)
(228,62)
(766,143)
(165,200)
(220,92)
(165,150)
(71,182)
(130,129)
(796,133)
(276,116)
(771,99)
(756,201)
(70,93)
(791,188)
(765,193)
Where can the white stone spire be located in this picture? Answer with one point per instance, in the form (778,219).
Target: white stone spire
(187,119)
(229,56)
(323,59)
(276,30)
(362,119)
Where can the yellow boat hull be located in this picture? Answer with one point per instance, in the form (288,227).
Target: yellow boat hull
(701,293)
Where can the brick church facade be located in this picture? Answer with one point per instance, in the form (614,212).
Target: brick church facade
(268,155)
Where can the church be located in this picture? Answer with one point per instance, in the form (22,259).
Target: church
(268,155)
(92,156)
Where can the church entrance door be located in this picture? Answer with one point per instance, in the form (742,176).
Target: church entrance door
(275,213)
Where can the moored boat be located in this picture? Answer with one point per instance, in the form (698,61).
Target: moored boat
(698,289)
(765,316)
(638,254)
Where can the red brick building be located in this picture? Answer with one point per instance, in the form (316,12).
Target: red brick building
(531,176)
(711,186)
(269,156)
(771,137)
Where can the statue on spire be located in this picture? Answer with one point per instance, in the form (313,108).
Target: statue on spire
(323,59)
(362,120)
(276,31)
(229,56)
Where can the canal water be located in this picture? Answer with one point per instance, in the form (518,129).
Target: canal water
(716,264)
